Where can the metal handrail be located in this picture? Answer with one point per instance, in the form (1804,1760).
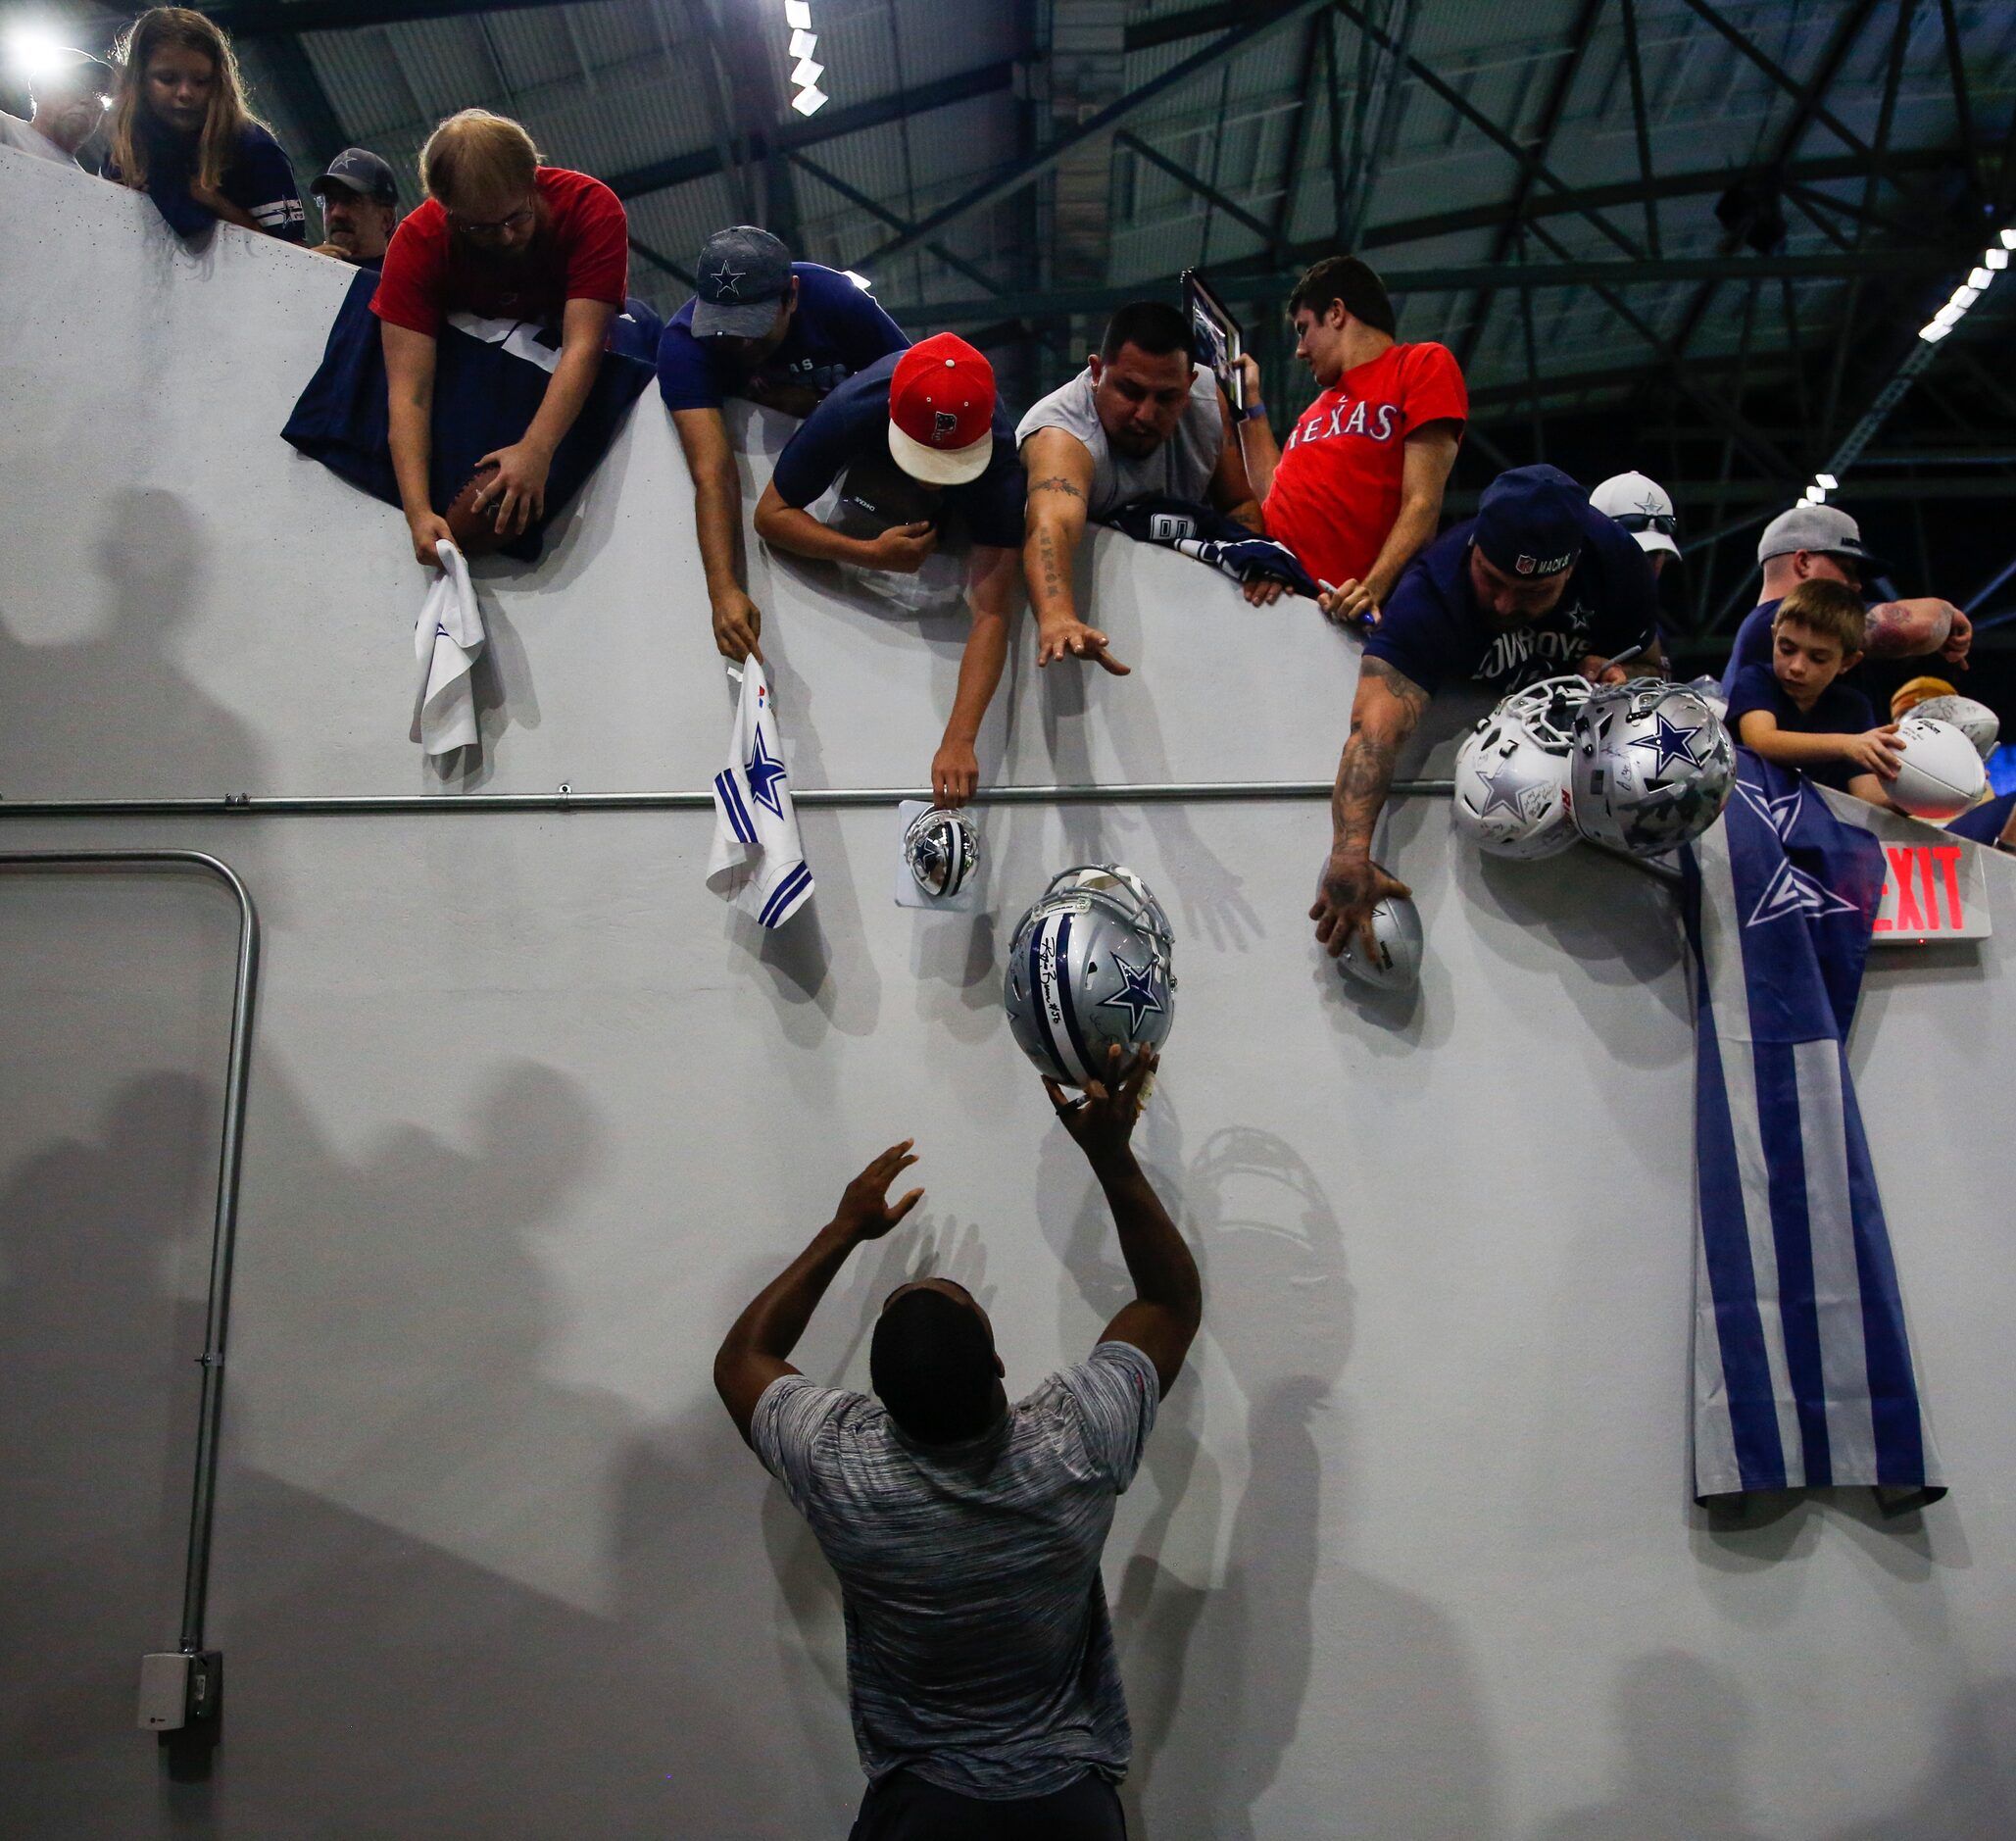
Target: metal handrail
(224,1228)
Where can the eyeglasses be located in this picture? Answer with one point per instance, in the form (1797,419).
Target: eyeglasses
(501,227)
(1666,523)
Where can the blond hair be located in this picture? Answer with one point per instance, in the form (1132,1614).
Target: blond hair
(1831,608)
(472,148)
(228,116)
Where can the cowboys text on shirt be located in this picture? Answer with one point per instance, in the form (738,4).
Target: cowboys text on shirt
(1524,654)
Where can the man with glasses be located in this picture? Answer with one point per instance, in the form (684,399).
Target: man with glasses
(1642,506)
(1822,542)
(504,239)
(67,93)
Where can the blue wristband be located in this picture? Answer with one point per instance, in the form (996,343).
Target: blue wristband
(1254,412)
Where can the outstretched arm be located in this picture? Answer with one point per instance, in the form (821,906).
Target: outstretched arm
(1060,470)
(991,595)
(1168,1295)
(754,1353)
(1383,715)
(518,490)
(1426,457)
(717,508)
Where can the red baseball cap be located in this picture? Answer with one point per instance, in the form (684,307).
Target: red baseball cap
(941,412)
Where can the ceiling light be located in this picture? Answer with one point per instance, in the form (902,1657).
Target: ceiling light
(1933,333)
(1827,481)
(1978,278)
(1964,297)
(2010,239)
(1996,259)
(33,52)
(803,44)
(808,101)
(798,15)
(806,75)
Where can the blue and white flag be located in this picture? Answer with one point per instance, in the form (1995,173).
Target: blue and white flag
(757,860)
(1803,1371)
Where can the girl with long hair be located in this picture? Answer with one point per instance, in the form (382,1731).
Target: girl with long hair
(183,133)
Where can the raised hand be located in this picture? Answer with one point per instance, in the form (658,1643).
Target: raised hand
(1101,1120)
(864,1211)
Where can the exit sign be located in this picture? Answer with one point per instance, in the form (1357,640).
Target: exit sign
(1931,892)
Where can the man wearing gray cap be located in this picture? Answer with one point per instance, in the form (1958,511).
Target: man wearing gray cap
(1823,542)
(359,202)
(778,332)
(67,96)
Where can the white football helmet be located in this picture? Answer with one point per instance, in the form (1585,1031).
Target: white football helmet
(1397,932)
(1089,966)
(943,850)
(1652,766)
(1512,796)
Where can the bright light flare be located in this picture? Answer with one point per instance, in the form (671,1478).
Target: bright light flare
(33,51)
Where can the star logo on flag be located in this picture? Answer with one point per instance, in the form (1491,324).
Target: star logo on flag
(1670,740)
(1136,995)
(726,281)
(1779,813)
(1502,792)
(1792,891)
(766,773)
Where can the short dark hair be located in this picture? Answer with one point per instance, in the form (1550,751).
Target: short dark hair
(1154,325)
(1831,608)
(932,1364)
(1347,279)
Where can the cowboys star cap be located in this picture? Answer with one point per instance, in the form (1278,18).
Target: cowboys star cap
(743,274)
(941,412)
(1643,506)
(1820,528)
(1530,521)
(358,169)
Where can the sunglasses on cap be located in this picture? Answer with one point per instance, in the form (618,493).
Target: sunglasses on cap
(1666,523)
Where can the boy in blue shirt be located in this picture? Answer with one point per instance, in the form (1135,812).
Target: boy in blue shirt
(1797,712)
(779,332)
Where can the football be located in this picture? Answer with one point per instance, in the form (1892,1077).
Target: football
(474,533)
(1941,774)
(1397,927)
(1976,720)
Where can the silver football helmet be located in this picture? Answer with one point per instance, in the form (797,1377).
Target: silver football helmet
(943,850)
(1089,966)
(1652,766)
(1512,796)
(1395,964)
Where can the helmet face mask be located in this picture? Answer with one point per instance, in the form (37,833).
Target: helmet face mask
(1090,966)
(1652,766)
(1511,775)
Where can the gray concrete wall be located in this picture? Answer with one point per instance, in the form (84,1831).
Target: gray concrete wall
(533,1115)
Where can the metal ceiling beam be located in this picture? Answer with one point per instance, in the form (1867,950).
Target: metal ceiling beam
(1806,96)
(1640,122)
(881,212)
(1173,28)
(1253,31)
(1209,193)
(254,19)
(307,101)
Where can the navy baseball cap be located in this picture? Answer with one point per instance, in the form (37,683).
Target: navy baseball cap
(744,273)
(1530,521)
(358,169)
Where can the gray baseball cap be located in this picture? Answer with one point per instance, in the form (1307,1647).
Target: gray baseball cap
(1817,527)
(744,273)
(358,169)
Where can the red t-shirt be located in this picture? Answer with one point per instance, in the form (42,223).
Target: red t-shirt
(581,252)
(1337,490)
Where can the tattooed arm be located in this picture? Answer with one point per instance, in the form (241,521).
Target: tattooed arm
(1909,629)
(1060,470)
(1383,715)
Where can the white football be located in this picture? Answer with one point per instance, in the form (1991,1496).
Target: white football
(1941,774)
(1397,927)
(1976,720)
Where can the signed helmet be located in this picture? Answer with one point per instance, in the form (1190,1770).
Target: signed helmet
(1089,966)
(943,851)
(1512,796)
(1651,767)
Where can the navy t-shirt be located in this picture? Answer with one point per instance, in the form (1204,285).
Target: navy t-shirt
(1432,629)
(837,330)
(1985,824)
(852,423)
(259,181)
(1836,710)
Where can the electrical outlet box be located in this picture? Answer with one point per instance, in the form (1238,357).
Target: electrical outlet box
(178,1690)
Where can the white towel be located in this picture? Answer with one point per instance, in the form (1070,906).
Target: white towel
(446,639)
(756,862)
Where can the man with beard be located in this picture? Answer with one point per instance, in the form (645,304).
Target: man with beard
(359,202)
(1140,420)
(68,94)
(501,236)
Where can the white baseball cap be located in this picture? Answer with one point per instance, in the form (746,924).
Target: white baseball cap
(1643,506)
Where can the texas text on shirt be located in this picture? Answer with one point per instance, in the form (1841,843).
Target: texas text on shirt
(854,422)
(836,331)
(582,253)
(1338,488)
(1433,630)
(1838,710)
(259,181)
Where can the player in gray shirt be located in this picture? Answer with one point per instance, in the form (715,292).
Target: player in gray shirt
(967,1532)
(1139,421)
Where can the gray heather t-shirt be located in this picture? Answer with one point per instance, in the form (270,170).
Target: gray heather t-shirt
(1180,468)
(979,1654)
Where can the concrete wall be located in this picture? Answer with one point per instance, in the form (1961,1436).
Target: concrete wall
(533,1115)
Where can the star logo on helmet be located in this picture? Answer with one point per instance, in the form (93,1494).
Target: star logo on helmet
(1671,741)
(1502,791)
(766,773)
(1136,995)
(727,281)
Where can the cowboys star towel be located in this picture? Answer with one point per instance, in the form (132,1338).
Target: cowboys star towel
(446,639)
(756,862)
(1803,1371)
